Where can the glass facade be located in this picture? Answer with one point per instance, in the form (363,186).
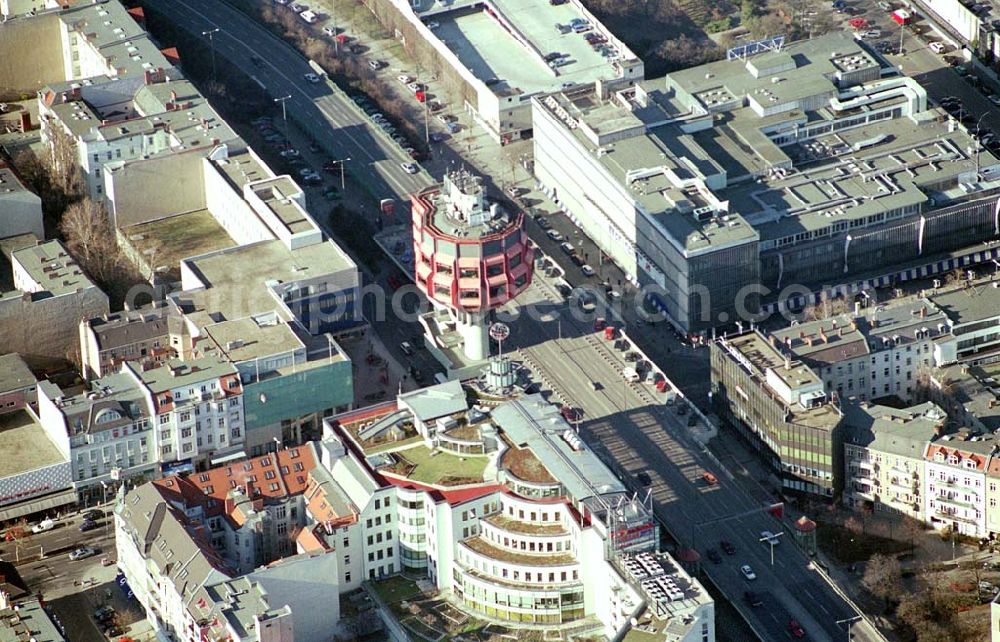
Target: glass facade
(283,398)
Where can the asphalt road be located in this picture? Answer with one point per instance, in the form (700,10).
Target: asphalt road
(632,430)
(334,121)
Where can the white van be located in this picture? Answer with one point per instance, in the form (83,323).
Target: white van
(309,16)
(630,375)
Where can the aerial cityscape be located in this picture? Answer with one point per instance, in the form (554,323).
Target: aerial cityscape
(499,320)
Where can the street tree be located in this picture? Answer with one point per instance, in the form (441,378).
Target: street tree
(883,577)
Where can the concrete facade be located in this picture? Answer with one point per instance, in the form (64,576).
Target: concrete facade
(53,295)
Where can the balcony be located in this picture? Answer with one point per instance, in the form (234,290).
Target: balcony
(540,559)
(945,515)
(954,501)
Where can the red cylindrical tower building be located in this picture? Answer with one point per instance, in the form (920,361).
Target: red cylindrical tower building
(470,257)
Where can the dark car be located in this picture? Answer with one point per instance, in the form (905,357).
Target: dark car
(644,479)
(88,525)
(727,548)
(93,515)
(113,631)
(714,556)
(752,598)
(104,614)
(571,414)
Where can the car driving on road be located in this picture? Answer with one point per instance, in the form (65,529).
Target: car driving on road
(748,572)
(82,553)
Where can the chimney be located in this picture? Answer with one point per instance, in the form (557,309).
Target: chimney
(25,121)
(774,340)
(173,96)
(923,312)
(802,334)
(874,322)
(854,325)
(788,362)
(147,77)
(857,308)
(822,335)
(809,341)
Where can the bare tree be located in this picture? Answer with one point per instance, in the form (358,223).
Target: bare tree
(883,577)
(89,238)
(63,163)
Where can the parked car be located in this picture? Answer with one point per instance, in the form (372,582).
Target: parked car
(298,7)
(44,525)
(406,80)
(82,553)
(311,77)
(936,47)
(587,271)
(409,168)
(88,525)
(644,478)
(567,247)
(104,614)
(796,629)
(289,153)
(375,65)
(330,31)
(713,556)
(727,548)
(748,572)
(94,514)
(555,235)
(433,24)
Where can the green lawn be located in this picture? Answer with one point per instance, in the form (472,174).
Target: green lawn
(443,468)
(396,589)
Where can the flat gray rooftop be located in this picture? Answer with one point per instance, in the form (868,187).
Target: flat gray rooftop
(237,278)
(176,373)
(489,50)
(24,445)
(967,305)
(52,268)
(246,339)
(14,373)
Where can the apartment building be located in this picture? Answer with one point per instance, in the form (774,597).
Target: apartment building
(884,461)
(111,121)
(197,409)
(108,431)
(871,353)
(212,555)
(52,294)
(780,407)
(956,482)
(772,167)
(149,335)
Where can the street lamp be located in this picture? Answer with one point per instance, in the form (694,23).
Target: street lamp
(341,163)
(284,114)
(772,539)
(849,621)
(211,45)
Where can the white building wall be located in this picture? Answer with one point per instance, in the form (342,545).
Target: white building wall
(968,487)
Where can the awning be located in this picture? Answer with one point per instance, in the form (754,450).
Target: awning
(233,456)
(39,504)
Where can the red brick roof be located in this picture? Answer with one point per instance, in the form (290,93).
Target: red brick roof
(979,459)
(270,476)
